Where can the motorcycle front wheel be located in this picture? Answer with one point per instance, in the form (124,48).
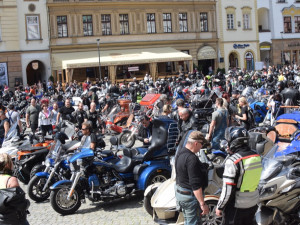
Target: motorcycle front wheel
(125,140)
(211,218)
(35,189)
(60,202)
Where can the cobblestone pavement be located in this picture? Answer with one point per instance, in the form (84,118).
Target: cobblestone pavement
(122,212)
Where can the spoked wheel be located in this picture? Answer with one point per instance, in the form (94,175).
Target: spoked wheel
(158,177)
(35,189)
(60,202)
(211,218)
(125,139)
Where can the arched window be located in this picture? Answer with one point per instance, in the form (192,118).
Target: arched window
(249,61)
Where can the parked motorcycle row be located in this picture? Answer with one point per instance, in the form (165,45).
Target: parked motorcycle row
(55,167)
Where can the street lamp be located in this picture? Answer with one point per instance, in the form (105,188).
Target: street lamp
(282,54)
(98,44)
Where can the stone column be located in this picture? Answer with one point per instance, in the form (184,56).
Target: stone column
(112,70)
(191,66)
(153,70)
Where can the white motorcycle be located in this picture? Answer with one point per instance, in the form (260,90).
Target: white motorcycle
(160,200)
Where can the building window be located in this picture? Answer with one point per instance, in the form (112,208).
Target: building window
(33,27)
(151,23)
(287,24)
(87,25)
(183,27)
(124,24)
(62,26)
(203,22)
(287,57)
(167,22)
(106,24)
(246,21)
(230,21)
(297,24)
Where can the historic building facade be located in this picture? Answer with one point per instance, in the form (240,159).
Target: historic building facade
(279,31)
(10,57)
(238,34)
(24,42)
(136,37)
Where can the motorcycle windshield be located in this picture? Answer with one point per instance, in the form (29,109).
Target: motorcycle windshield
(247,91)
(55,148)
(275,166)
(114,111)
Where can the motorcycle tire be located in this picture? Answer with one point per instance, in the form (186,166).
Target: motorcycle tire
(59,204)
(35,189)
(158,177)
(36,168)
(147,201)
(123,139)
(211,218)
(216,159)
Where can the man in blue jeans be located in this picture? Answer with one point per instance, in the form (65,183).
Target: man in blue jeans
(189,180)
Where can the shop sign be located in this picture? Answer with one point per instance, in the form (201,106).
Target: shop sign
(206,52)
(133,68)
(240,46)
(35,65)
(265,47)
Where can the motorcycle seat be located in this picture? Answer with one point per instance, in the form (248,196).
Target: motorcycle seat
(130,152)
(125,165)
(30,148)
(106,153)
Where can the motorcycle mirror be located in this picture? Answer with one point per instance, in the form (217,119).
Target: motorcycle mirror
(223,145)
(113,140)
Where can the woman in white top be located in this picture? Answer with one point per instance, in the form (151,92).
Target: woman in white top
(54,113)
(45,120)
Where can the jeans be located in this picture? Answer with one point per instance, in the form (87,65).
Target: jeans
(189,206)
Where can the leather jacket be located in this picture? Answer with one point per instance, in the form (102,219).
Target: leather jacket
(13,206)
(290,93)
(185,126)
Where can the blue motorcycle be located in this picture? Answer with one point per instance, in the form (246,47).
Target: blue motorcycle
(103,181)
(57,167)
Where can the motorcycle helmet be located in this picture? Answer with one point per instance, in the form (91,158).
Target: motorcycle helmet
(61,136)
(236,137)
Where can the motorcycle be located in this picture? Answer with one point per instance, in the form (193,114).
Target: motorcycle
(279,189)
(104,181)
(160,200)
(128,136)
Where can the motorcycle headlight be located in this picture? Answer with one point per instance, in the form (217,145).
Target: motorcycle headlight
(49,162)
(79,162)
(268,191)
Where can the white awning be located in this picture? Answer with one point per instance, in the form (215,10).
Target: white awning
(117,57)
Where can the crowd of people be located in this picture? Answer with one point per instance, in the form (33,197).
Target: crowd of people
(231,109)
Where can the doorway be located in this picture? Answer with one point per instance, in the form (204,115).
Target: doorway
(35,72)
(204,66)
(233,60)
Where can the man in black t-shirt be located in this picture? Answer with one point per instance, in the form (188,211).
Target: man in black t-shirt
(65,112)
(109,103)
(189,180)
(80,115)
(93,117)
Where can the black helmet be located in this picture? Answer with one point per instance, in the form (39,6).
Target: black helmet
(62,137)
(236,137)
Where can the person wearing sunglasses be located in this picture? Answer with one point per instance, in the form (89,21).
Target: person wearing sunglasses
(191,180)
(88,139)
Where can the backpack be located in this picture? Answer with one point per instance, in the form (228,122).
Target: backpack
(251,118)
